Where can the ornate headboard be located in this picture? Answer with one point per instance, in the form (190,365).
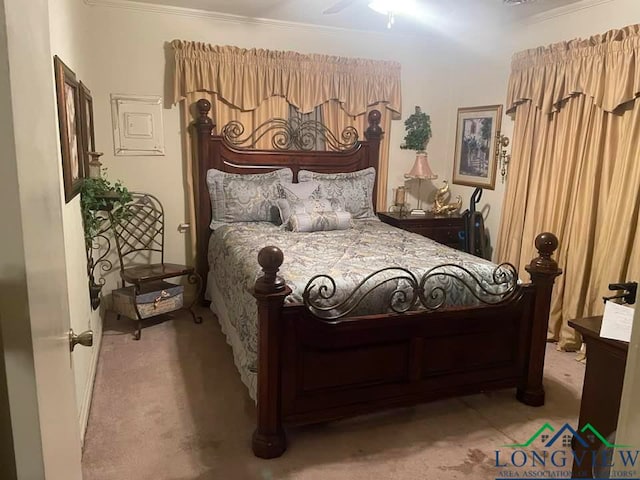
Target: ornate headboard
(219,152)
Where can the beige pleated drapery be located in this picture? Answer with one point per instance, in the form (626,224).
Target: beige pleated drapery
(254,85)
(575,168)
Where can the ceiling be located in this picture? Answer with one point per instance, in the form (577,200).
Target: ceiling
(431,14)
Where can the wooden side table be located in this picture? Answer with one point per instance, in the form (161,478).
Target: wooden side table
(602,389)
(444,229)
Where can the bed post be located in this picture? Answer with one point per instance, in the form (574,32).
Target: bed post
(543,271)
(204,126)
(269,440)
(373,135)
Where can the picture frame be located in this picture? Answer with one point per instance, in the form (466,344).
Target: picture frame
(69,121)
(87,127)
(476,152)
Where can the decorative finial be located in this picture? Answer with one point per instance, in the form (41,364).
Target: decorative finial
(546,243)
(270,259)
(203,106)
(374,129)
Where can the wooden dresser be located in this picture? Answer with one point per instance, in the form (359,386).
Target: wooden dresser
(444,229)
(602,390)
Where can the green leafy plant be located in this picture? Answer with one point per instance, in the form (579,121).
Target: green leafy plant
(418,128)
(99,195)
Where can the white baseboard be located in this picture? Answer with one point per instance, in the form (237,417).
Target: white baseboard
(85,408)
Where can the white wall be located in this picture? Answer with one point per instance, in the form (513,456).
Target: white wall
(69,34)
(128,55)
(480,71)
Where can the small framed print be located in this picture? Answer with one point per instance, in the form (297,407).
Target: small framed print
(87,128)
(69,120)
(476,146)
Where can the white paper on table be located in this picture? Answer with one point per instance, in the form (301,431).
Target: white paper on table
(617,321)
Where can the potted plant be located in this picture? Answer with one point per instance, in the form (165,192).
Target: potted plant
(99,195)
(418,128)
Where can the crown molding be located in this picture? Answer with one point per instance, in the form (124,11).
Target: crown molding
(242,20)
(230,18)
(561,11)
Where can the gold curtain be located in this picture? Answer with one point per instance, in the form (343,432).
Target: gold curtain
(336,119)
(254,85)
(245,78)
(574,168)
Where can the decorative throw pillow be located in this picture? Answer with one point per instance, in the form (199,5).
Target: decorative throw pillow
(291,207)
(300,191)
(245,198)
(354,188)
(320,221)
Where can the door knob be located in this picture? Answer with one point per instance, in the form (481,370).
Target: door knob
(85,339)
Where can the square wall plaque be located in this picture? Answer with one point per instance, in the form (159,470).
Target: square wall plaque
(137,124)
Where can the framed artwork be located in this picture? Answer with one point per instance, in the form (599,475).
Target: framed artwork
(476,146)
(87,128)
(69,120)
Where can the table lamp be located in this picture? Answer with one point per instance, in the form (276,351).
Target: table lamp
(422,171)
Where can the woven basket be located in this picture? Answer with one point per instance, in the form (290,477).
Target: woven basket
(154,299)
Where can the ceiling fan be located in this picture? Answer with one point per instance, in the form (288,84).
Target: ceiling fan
(385,7)
(342,4)
(338,7)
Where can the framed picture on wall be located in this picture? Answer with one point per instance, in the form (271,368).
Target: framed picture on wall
(69,120)
(87,128)
(475,158)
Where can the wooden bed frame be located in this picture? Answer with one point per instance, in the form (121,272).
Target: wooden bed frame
(313,370)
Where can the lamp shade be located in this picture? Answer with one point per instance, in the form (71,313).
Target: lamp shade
(421,168)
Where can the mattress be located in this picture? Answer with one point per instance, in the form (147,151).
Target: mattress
(348,256)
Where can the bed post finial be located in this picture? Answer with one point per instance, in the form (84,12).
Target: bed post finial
(270,259)
(546,243)
(203,120)
(269,440)
(374,130)
(543,271)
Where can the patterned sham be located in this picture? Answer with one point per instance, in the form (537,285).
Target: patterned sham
(245,197)
(320,221)
(354,188)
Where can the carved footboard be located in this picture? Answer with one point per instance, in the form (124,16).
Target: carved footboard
(321,361)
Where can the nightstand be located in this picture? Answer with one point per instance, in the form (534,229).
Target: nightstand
(444,229)
(601,390)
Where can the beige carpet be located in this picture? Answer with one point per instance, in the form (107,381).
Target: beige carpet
(172,406)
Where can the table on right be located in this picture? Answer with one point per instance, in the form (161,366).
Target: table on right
(602,389)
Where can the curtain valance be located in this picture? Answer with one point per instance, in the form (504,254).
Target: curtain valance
(246,77)
(604,67)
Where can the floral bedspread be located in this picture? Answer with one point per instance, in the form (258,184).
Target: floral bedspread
(348,256)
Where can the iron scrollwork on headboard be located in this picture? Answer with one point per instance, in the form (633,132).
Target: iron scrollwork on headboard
(292,134)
